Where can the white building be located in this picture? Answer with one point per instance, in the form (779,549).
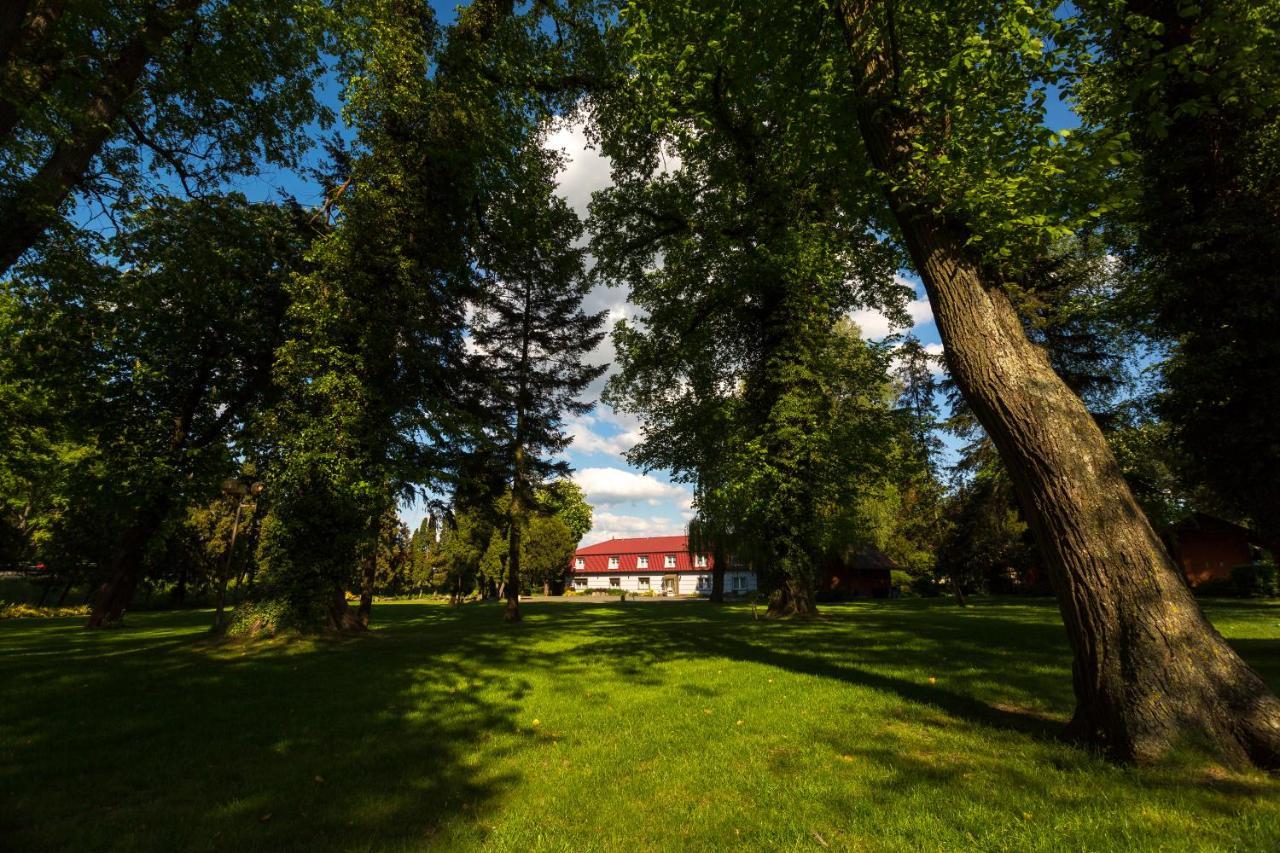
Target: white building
(658,564)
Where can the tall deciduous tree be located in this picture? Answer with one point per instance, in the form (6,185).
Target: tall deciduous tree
(160,354)
(1196,88)
(1149,668)
(945,108)
(93,96)
(761,253)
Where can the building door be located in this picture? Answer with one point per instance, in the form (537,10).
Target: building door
(670,585)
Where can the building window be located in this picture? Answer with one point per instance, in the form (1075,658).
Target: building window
(644,583)
(739,582)
(615,581)
(642,562)
(703,581)
(579,583)
(669,561)
(580,563)
(613,562)
(700,561)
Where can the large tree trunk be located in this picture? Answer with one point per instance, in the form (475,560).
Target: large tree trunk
(794,598)
(718,560)
(341,616)
(34,205)
(116,592)
(1150,671)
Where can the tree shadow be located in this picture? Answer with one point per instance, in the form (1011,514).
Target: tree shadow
(363,743)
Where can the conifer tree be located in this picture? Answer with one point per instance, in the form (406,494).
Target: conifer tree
(533,335)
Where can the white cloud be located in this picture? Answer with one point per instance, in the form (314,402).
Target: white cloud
(585,169)
(606,486)
(875,325)
(587,439)
(608,525)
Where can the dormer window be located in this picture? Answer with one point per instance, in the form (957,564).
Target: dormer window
(613,562)
(642,562)
(580,563)
(700,561)
(669,561)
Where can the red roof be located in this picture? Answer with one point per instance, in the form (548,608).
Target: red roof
(595,557)
(642,545)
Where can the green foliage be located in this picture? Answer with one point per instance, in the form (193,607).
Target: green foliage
(1195,91)
(139,365)
(547,548)
(565,500)
(1256,580)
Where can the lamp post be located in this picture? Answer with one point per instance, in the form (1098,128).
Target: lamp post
(241,491)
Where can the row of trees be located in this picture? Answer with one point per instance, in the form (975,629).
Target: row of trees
(422,333)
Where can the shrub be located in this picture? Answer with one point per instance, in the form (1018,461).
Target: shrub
(27,611)
(1256,580)
(263,618)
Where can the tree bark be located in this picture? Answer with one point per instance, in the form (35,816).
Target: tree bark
(115,593)
(718,561)
(1149,669)
(34,205)
(512,611)
(794,598)
(368,579)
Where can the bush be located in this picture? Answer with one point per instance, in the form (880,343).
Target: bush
(27,611)
(1217,587)
(1256,580)
(263,618)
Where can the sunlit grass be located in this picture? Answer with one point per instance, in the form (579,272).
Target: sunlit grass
(888,725)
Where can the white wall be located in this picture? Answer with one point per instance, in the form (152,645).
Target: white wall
(688,583)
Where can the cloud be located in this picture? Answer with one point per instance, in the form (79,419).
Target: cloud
(608,525)
(587,439)
(875,325)
(585,169)
(606,486)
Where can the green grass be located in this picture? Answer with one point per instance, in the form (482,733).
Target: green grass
(636,726)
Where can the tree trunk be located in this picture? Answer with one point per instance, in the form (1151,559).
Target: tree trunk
(66,590)
(180,591)
(512,611)
(341,616)
(366,589)
(958,592)
(115,593)
(1149,669)
(718,561)
(34,205)
(794,598)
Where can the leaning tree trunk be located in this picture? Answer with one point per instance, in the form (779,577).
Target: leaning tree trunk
(1149,670)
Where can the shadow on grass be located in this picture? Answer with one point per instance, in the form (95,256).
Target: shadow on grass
(151,737)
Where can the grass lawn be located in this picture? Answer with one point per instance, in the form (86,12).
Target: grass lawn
(636,726)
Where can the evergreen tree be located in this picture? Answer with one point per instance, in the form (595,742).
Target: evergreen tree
(533,336)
